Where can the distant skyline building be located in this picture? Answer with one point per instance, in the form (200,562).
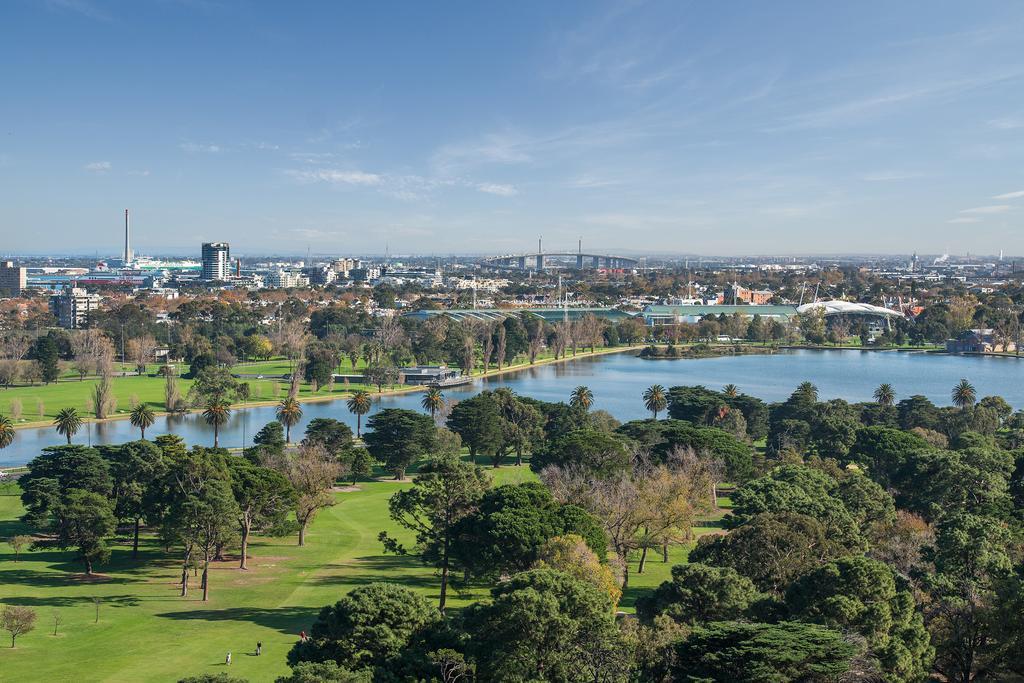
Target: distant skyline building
(12,279)
(216,261)
(73,306)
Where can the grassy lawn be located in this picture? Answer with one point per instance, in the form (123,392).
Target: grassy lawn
(146,632)
(40,403)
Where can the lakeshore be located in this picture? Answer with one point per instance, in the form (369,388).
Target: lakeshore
(617,378)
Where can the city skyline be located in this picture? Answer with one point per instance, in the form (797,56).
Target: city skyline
(642,127)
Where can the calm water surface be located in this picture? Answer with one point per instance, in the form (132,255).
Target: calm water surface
(617,381)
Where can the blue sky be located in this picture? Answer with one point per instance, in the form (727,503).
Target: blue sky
(474,127)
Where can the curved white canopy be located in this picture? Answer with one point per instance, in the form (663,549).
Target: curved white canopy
(836,307)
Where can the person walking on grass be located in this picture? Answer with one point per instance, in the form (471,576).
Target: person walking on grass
(227,661)
(259,647)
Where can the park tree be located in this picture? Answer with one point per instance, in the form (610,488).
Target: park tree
(134,466)
(192,502)
(771,549)
(971,561)
(268,444)
(17,620)
(312,474)
(655,399)
(6,432)
(883,453)
(541,625)
(755,652)
(67,423)
(205,520)
(18,542)
(83,520)
(597,452)
(264,497)
(54,473)
(571,555)
(359,463)
(216,414)
(433,401)
(142,418)
(964,395)
(871,506)
(288,413)
(213,384)
(445,491)
(522,423)
(581,397)
(917,411)
(324,672)
(699,593)
(511,524)
(802,490)
(359,404)
(321,360)
(478,421)
(399,437)
(47,356)
(335,436)
(380,375)
(861,595)
(368,627)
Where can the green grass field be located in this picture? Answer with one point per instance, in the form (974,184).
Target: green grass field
(146,632)
(40,403)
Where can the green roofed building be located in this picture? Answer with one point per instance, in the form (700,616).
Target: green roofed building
(552,315)
(657,314)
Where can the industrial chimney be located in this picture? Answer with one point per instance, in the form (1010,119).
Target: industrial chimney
(128,255)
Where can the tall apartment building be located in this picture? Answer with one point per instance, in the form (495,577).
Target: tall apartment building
(12,279)
(73,306)
(216,261)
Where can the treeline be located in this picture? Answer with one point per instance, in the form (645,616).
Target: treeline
(873,541)
(200,502)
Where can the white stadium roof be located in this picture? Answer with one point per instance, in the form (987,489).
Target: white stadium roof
(836,307)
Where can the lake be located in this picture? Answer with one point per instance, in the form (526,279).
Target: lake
(618,380)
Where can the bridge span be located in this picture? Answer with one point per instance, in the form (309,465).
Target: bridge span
(538,260)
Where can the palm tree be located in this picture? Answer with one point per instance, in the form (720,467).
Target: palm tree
(655,399)
(6,431)
(143,417)
(433,401)
(67,423)
(289,412)
(885,395)
(217,413)
(731,390)
(581,397)
(359,404)
(964,394)
(808,389)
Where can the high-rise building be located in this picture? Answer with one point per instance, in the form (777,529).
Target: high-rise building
(73,306)
(12,279)
(216,260)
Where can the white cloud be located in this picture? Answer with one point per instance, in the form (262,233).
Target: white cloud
(195,147)
(98,166)
(994,208)
(336,177)
(499,189)
(1006,124)
(1010,195)
(587,182)
(965,219)
(889,176)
